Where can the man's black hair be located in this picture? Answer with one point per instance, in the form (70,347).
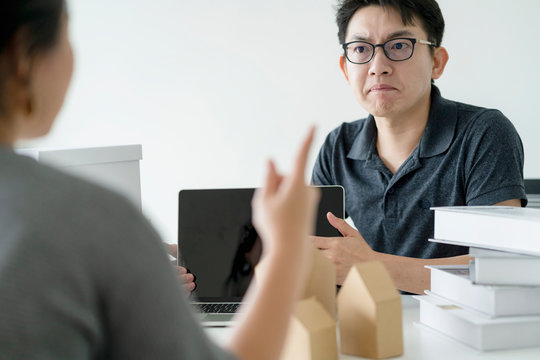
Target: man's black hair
(427,12)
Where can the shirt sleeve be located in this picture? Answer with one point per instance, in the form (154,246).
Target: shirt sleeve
(494,161)
(322,170)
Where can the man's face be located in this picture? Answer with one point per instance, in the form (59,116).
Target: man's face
(383,87)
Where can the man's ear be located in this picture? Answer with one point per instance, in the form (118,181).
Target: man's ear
(343,66)
(440,58)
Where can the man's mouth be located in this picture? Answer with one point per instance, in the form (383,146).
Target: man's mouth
(381,88)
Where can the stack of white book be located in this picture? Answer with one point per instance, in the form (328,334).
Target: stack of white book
(534,200)
(532,188)
(494,302)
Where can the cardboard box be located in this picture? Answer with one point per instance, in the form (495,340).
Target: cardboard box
(321,282)
(114,167)
(311,334)
(369,311)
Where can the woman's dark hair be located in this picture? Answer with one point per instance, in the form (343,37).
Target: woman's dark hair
(426,11)
(36,23)
(39,19)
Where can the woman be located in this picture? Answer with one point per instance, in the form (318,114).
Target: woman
(68,288)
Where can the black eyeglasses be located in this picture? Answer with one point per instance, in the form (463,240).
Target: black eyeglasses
(400,49)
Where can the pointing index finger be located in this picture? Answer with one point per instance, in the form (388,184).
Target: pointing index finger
(301,158)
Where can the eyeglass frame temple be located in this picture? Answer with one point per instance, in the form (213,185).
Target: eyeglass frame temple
(426,42)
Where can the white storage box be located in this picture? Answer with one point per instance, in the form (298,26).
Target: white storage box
(115,167)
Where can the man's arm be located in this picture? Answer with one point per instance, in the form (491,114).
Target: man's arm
(409,274)
(511,202)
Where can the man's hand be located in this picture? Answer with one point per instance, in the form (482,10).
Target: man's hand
(343,251)
(186,278)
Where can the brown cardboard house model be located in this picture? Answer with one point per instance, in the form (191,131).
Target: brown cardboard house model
(311,334)
(369,312)
(321,282)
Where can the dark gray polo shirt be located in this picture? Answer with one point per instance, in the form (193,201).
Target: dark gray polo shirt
(467,156)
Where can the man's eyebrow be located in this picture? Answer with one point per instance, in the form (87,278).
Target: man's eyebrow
(400,33)
(357,37)
(395,34)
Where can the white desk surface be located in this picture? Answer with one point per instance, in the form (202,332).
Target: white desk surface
(421,343)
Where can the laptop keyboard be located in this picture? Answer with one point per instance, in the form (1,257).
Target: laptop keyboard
(219,308)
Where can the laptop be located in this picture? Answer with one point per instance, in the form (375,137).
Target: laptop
(218,244)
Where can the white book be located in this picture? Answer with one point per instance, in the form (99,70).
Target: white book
(504,228)
(494,267)
(506,271)
(534,200)
(477,330)
(453,283)
(490,253)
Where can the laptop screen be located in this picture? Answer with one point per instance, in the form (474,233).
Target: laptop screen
(218,243)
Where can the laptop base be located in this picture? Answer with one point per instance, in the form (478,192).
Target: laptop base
(215,320)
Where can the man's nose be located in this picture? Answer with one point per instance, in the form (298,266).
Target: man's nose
(380,64)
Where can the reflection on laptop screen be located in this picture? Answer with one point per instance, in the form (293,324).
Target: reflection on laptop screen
(214,238)
(218,243)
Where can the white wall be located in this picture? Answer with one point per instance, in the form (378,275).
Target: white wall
(212,88)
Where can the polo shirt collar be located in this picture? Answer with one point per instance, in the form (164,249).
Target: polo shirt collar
(437,137)
(363,146)
(439,132)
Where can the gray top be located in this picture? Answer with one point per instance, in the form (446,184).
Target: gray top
(84,276)
(467,156)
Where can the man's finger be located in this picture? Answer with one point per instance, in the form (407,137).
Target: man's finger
(321,243)
(187,278)
(172,249)
(341,225)
(327,253)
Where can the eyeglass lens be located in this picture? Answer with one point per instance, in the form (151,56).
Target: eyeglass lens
(395,49)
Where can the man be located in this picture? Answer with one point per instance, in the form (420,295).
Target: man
(414,151)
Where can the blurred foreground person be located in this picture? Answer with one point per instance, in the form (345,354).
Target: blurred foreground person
(68,287)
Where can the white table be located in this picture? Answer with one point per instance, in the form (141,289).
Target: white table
(421,343)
